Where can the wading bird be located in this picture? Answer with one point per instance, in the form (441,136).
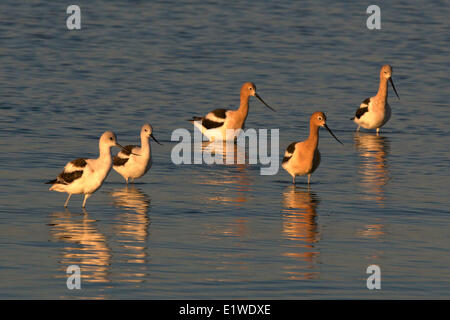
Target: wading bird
(221,124)
(303,158)
(374,112)
(134,161)
(85,176)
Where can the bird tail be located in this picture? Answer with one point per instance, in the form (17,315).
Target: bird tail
(51,181)
(352,118)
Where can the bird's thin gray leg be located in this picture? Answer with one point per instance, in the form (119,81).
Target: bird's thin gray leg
(86,196)
(67,201)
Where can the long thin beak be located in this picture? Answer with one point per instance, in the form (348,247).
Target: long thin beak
(123,149)
(260,99)
(326,127)
(392,83)
(153,137)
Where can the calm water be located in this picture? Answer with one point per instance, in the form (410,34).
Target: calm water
(199,231)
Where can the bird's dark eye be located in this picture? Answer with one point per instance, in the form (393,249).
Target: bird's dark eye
(111,138)
(250,88)
(320,118)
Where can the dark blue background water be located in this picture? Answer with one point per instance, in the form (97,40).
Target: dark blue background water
(198,231)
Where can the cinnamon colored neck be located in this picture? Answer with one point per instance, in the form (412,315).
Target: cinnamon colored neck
(382,90)
(243,107)
(313,135)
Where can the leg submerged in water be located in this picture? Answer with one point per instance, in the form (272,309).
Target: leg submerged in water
(86,196)
(67,201)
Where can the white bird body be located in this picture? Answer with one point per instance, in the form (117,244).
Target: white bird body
(234,120)
(375,112)
(136,165)
(221,124)
(134,161)
(85,176)
(93,174)
(377,115)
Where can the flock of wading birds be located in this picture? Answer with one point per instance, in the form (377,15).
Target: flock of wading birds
(85,176)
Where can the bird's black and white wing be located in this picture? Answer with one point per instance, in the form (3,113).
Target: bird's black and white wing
(363,108)
(214,119)
(289,152)
(123,156)
(72,171)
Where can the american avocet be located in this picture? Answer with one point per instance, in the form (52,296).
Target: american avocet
(374,112)
(215,124)
(303,157)
(134,161)
(85,176)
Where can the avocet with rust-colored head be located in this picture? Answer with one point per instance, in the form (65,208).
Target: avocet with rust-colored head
(85,176)
(134,161)
(221,124)
(374,112)
(303,158)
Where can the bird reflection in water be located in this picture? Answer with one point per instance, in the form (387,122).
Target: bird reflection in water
(233,182)
(373,170)
(132,232)
(234,178)
(299,226)
(372,231)
(221,152)
(85,245)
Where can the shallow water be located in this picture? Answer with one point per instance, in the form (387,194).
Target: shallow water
(224,231)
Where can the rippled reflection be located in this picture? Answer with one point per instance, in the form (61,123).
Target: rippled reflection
(235,180)
(373,169)
(131,198)
(121,259)
(372,231)
(300,227)
(223,153)
(236,186)
(85,245)
(132,232)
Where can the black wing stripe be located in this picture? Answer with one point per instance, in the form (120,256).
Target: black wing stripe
(360,112)
(290,150)
(220,113)
(81,162)
(127,149)
(69,177)
(209,124)
(286,159)
(291,147)
(367,101)
(119,161)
